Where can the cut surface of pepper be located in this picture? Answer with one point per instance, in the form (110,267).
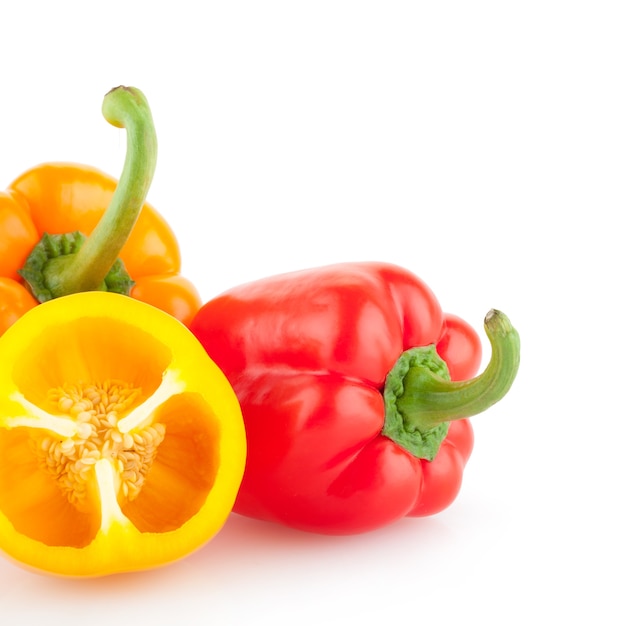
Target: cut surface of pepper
(68,228)
(121,443)
(354,388)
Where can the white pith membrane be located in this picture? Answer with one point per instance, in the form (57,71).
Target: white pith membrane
(83,444)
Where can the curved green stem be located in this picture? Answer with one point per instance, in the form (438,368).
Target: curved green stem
(87,268)
(420,398)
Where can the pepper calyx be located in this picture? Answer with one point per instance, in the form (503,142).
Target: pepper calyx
(421,400)
(51,253)
(421,440)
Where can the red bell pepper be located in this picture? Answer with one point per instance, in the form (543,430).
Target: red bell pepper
(353,387)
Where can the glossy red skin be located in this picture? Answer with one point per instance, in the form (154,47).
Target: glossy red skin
(307,354)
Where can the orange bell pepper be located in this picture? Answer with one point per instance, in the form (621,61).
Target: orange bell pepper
(67,228)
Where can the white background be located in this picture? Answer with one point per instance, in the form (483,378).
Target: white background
(480,144)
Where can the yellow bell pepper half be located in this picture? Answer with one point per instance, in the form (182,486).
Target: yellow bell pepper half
(122,444)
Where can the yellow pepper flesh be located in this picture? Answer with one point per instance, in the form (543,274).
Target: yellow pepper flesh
(122,445)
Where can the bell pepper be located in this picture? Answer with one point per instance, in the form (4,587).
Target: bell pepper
(66,228)
(121,443)
(355,388)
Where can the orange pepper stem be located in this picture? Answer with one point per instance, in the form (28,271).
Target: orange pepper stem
(421,400)
(57,268)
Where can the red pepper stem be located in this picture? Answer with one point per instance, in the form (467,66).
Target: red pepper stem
(123,107)
(421,400)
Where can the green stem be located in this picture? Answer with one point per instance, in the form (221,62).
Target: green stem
(87,268)
(421,400)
